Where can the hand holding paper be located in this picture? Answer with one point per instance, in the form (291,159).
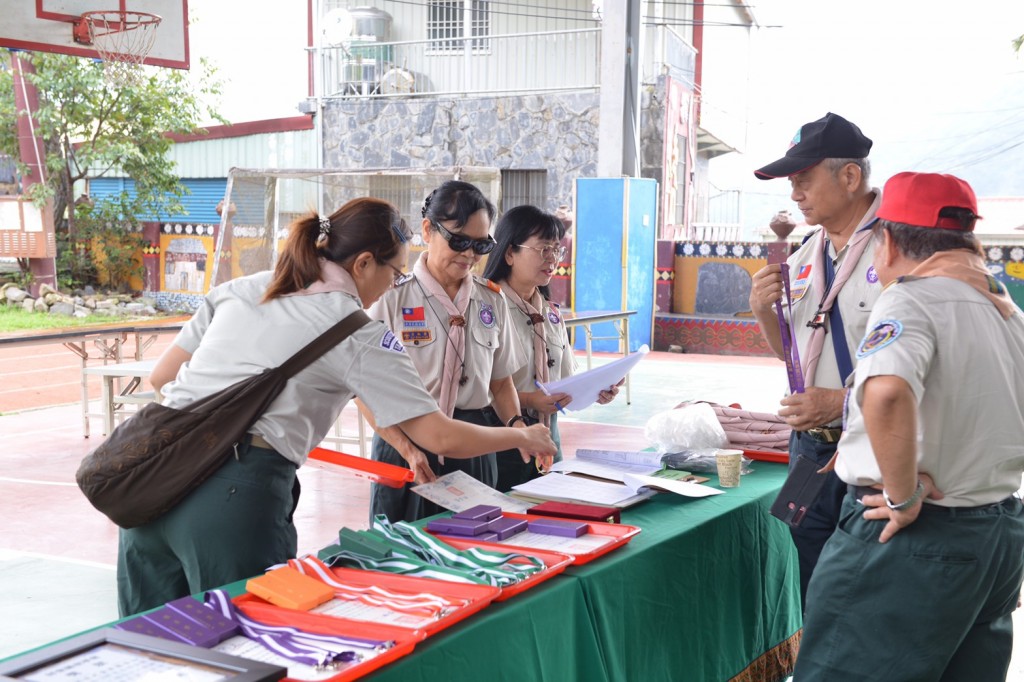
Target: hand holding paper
(586,387)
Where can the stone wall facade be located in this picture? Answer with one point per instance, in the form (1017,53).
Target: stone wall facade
(556,132)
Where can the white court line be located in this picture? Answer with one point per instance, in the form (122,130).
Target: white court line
(12,555)
(30,481)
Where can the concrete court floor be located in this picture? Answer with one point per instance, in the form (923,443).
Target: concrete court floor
(57,554)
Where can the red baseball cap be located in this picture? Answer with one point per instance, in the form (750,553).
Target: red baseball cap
(918,199)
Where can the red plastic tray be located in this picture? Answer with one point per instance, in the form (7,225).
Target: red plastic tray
(555,563)
(405,639)
(617,534)
(767,455)
(479,596)
(378,472)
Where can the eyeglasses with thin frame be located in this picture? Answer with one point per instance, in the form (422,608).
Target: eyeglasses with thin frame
(549,252)
(398,274)
(460,242)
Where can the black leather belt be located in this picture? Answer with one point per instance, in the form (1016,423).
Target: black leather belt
(825,434)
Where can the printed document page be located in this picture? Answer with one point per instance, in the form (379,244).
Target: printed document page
(458,491)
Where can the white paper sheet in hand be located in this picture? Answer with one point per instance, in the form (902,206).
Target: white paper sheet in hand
(458,491)
(585,387)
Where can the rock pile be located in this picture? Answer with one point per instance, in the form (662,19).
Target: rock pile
(83,303)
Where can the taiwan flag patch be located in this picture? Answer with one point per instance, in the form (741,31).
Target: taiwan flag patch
(413,317)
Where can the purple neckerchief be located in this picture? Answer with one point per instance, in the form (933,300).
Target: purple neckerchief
(307,648)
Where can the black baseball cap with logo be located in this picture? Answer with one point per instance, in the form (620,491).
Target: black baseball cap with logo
(830,137)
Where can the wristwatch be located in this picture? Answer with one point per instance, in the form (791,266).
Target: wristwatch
(906,504)
(513,420)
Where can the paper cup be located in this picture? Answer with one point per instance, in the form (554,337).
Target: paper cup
(728,462)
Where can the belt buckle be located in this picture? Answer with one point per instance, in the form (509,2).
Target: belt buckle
(825,434)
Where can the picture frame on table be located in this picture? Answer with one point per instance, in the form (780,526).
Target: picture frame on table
(117,655)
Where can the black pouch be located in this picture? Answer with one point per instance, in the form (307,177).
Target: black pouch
(801,489)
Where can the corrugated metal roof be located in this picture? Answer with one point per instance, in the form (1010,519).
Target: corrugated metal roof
(213,158)
(199,206)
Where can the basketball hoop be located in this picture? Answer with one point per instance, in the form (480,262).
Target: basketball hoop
(123,39)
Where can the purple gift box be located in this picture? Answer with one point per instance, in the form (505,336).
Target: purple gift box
(487,537)
(506,528)
(481,512)
(567,529)
(453,526)
(219,626)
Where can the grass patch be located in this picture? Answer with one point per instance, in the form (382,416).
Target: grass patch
(14,319)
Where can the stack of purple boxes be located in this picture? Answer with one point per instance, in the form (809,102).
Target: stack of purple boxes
(485,522)
(184,620)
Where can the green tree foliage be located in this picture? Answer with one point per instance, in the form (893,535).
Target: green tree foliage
(1018,43)
(92,128)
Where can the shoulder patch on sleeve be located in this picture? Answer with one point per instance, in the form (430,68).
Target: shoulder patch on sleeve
(487,283)
(880,336)
(390,342)
(404,279)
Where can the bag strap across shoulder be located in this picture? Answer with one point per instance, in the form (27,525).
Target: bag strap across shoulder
(323,343)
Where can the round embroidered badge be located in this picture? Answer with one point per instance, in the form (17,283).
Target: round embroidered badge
(553,317)
(872,276)
(880,336)
(487,315)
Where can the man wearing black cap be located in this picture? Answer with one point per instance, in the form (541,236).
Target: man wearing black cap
(832,290)
(919,584)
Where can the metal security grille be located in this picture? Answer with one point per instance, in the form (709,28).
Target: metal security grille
(451,22)
(264,202)
(519,187)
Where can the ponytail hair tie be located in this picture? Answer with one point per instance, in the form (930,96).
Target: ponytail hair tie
(325,231)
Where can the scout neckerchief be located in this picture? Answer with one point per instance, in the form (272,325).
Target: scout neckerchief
(333,277)
(821,265)
(416,552)
(967,267)
(455,349)
(532,310)
(320,651)
(432,605)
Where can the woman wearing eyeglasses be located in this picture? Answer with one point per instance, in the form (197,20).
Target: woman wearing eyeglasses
(528,250)
(455,327)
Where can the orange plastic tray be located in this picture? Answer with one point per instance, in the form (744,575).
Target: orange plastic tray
(555,563)
(479,596)
(405,639)
(617,535)
(378,472)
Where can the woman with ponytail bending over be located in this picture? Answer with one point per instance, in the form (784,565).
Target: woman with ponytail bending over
(239,521)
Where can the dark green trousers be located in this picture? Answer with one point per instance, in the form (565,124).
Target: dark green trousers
(933,603)
(233,526)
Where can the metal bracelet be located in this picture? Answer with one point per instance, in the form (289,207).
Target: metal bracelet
(906,504)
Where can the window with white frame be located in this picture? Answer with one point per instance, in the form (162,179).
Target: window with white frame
(451,22)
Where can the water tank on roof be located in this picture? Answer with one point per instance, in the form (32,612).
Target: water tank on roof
(370,23)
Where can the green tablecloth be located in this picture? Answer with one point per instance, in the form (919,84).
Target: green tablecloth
(707,589)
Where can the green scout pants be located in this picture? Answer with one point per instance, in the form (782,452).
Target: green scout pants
(233,526)
(933,603)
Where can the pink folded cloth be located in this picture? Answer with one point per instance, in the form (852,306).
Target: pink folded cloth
(751,430)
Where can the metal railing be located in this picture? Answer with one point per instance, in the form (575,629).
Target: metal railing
(518,62)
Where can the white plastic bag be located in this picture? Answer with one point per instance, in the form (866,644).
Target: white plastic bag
(686,428)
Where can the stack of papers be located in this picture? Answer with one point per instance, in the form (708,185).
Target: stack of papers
(585,387)
(627,480)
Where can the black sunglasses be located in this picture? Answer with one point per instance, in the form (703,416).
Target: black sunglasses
(460,242)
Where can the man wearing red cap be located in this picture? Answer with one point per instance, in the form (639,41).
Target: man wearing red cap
(833,289)
(921,577)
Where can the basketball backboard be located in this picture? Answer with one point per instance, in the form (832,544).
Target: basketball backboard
(48,26)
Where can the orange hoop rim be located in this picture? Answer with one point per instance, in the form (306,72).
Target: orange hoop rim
(106,22)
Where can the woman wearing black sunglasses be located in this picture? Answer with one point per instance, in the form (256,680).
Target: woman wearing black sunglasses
(455,327)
